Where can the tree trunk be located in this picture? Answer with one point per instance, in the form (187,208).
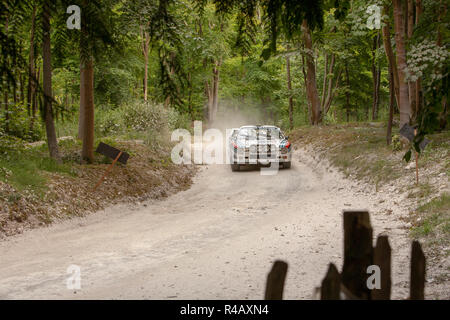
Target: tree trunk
(145,47)
(88,133)
(86,116)
(15,91)
(47,73)
(289,85)
(215,92)
(418,84)
(331,93)
(324,86)
(171,72)
(82,104)
(399,22)
(443,115)
(22,88)
(208,94)
(34,98)
(326,104)
(311,85)
(376,74)
(190,107)
(145,75)
(390,53)
(307,109)
(6,102)
(5,95)
(411,85)
(347,94)
(391,105)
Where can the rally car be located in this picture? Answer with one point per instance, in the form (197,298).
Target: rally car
(259,144)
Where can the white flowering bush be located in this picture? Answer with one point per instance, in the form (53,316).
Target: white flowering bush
(426,59)
(109,122)
(143,116)
(138,118)
(366,16)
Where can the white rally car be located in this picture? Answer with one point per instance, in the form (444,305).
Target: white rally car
(259,145)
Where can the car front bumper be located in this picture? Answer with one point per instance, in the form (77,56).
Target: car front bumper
(260,158)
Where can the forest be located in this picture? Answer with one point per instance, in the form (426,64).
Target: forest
(133,65)
(341,78)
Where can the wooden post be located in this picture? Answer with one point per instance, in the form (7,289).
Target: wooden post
(275,281)
(107,170)
(358,252)
(417,279)
(382,258)
(331,284)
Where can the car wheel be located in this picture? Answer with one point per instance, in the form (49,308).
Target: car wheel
(286,165)
(234,167)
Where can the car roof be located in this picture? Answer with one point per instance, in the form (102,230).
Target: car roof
(260,126)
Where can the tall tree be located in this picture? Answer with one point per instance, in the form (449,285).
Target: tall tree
(418,83)
(86,91)
(47,73)
(399,23)
(94,32)
(311,84)
(32,75)
(410,28)
(376,76)
(390,52)
(289,86)
(391,105)
(145,44)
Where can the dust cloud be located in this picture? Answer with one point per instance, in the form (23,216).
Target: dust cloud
(229,116)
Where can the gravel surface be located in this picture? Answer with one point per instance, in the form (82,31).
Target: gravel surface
(216,240)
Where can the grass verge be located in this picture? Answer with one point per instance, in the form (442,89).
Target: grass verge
(36,190)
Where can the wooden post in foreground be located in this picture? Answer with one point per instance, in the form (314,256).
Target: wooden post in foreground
(275,281)
(107,170)
(331,284)
(382,258)
(358,252)
(417,279)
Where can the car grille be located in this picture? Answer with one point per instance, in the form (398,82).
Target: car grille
(259,151)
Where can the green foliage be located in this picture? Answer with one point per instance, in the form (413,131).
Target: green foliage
(435,217)
(396,143)
(25,168)
(246,41)
(9,143)
(19,124)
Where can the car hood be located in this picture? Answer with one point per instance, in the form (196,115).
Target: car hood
(246,143)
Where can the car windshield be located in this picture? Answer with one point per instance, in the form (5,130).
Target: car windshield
(271,132)
(247,133)
(253,133)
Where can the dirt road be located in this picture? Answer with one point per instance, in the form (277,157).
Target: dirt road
(216,240)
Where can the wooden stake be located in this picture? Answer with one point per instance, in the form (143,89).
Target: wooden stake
(418,270)
(107,170)
(331,284)
(275,281)
(358,252)
(382,258)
